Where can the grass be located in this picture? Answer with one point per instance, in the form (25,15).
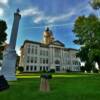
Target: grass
(63,87)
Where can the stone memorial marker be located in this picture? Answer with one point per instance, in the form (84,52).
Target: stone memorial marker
(44,84)
(9,56)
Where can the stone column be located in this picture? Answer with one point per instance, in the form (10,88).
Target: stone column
(14,31)
(9,56)
(62,65)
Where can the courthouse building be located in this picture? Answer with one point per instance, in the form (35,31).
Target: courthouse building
(48,54)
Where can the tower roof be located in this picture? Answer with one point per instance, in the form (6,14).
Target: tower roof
(47,29)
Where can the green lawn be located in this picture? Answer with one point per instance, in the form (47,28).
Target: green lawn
(63,87)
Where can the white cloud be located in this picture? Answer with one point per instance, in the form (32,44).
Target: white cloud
(1,12)
(60,18)
(38,19)
(4,2)
(39,16)
(52,19)
(31,12)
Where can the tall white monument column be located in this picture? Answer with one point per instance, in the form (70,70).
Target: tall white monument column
(9,57)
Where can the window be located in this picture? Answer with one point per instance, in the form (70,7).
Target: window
(31,68)
(57,52)
(31,59)
(35,60)
(47,68)
(46,61)
(40,68)
(36,50)
(28,59)
(43,61)
(32,50)
(57,62)
(43,53)
(35,68)
(40,60)
(28,50)
(43,68)
(40,52)
(27,68)
(74,62)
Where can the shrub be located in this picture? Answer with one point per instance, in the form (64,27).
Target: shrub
(82,69)
(88,67)
(52,71)
(68,70)
(95,70)
(46,76)
(21,69)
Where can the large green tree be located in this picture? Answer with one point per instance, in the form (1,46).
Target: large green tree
(95,4)
(3,35)
(87,31)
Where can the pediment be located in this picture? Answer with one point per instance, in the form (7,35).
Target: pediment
(58,43)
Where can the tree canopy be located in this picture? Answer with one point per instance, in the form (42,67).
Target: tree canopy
(95,4)
(3,35)
(87,31)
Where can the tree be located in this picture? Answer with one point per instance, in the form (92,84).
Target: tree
(95,4)
(87,31)
(1,54)
(3,35)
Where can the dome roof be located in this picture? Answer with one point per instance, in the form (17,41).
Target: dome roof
(48,32)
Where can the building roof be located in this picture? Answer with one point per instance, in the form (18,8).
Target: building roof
(69,49)
(34,42)
(58,43)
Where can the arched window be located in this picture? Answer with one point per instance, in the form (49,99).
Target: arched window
(57,62)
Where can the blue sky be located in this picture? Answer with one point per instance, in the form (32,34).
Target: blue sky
(59,15)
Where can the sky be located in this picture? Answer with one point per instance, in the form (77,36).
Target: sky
(36,15)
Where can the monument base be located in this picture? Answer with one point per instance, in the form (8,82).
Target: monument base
(10,78)
(9,65)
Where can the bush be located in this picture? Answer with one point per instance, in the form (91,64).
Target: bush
(46,76)
(52,71)
(95,70)
(21,69)
(68,70)
(82,69)
(88,67)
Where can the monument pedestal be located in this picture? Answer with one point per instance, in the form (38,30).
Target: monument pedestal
(8,67)
(44,85)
